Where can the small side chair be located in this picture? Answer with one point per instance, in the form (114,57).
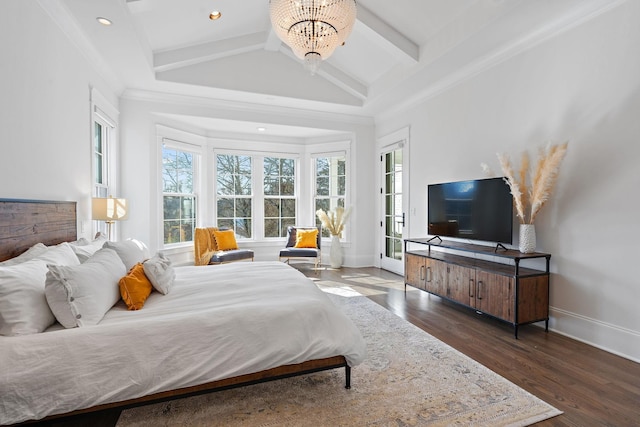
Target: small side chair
(293,252)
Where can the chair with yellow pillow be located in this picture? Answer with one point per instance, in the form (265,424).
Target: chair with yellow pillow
(215,246)
(303,242)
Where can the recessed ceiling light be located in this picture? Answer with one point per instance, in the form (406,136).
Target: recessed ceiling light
(261,129)
(216,14)
(104,21)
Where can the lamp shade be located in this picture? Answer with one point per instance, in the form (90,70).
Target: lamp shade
(109,209)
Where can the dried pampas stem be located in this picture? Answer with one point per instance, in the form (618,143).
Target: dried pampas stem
(505,164)
(334,220)
(546,176)
(529,202)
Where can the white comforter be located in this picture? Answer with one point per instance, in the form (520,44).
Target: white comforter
(217,322)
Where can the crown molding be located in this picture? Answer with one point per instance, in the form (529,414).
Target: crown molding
(245,107)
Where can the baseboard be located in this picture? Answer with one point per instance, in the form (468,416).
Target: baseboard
(611,338)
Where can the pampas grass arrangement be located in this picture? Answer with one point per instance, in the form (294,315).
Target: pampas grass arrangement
(528,200)
(334,219)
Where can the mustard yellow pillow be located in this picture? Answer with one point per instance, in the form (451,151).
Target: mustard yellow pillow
(225,240)
(306,238)
(135,288)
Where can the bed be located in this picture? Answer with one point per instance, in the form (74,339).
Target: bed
(219,327)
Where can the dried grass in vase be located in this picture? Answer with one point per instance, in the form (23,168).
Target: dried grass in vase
(528,200)
(334,220)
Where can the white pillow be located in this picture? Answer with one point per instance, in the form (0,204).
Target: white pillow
(31,253)
(130,251)
(84,250)
(160,273)
(23,306)
(60,254)
(81,295)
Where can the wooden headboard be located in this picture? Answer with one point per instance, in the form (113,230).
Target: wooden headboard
(23,223)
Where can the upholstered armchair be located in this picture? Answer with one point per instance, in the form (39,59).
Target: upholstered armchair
(303,243)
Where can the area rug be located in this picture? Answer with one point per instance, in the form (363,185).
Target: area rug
(409,379)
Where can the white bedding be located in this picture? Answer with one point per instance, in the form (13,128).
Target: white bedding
(217,322)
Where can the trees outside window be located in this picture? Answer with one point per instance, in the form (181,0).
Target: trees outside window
(330,184)
(178,195)
(279,195)
(234,196)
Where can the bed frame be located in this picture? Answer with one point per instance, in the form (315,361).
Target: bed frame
(24,223)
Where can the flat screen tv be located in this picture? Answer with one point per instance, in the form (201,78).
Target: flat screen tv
(479,210)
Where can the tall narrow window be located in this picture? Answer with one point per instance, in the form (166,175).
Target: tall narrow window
(234,193)
(179,198)
(331,184)
(279,196)
(100,160)
(103,149)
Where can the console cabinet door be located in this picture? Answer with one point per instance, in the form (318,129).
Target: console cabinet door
(461,285)
(436,277)
(494,295)
(415,270)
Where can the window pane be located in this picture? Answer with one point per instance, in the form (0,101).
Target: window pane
(225,223)
(287,186)
(171,207)
(243,185)
(342,186)
(271,186)
(322,186)
(225,208)
(272,228)
(288,208)
(271,208)
(288,167)
(322,167)
(243,227)
(179,208)
(244,165)
(271,166)
(323,204)
(331,184)
(243,208)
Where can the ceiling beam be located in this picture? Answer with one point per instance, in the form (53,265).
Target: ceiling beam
(388,35)
(178,58)
(273,41)
(334,75)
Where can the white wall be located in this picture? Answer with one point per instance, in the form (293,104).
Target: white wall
(582,86)
(45,111)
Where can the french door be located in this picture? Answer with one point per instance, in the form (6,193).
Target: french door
(394,202)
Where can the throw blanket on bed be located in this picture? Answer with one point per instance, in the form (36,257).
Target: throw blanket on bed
(218,322)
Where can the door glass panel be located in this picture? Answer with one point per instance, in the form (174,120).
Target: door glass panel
(393,204)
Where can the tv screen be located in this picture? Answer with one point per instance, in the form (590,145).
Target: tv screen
(479,210)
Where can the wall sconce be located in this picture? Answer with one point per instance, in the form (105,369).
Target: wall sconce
(109,210)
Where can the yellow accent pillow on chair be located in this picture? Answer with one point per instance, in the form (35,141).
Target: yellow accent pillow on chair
(135,288)
(225,240)
(306,238)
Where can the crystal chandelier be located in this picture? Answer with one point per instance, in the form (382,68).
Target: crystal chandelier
(313,28)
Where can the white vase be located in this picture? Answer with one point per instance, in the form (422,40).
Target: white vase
(527,238)
(335,253)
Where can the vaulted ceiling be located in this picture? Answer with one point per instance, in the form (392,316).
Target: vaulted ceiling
(399,51)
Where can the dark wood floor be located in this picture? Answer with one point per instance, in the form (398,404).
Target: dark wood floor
(592,387)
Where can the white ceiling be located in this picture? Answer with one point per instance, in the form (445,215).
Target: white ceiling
(399,51)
